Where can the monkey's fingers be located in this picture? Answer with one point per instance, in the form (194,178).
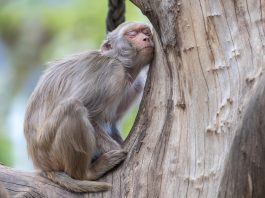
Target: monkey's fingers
(74,185)
(105,163)
(115,157)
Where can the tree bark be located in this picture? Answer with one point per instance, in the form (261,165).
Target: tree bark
(199,129)
(26,184)
(244,174)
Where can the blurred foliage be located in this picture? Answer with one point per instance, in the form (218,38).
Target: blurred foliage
(33,32)
(127,122)
(5,150)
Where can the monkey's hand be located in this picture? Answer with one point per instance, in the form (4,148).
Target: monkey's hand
(106,162)
(105,142)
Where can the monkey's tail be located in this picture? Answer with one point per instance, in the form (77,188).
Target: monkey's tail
(74,185)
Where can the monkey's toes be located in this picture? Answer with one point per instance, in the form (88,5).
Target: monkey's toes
(115,157)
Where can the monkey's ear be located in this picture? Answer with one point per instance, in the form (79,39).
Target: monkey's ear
(106,46)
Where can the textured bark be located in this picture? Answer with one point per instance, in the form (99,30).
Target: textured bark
(244,174)
(25,184)
(197,134)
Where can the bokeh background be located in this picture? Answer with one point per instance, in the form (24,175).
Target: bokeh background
(33,32)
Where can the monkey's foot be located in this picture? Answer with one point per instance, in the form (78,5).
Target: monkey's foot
(115,157)
(106,162)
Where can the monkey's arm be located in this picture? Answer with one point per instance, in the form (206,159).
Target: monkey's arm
(104,142)
(133,92)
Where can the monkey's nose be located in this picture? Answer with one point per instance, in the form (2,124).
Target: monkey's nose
(146,39)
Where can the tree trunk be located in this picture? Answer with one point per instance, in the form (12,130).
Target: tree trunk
(199,129)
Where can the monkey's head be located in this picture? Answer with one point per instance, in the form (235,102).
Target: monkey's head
(131,43)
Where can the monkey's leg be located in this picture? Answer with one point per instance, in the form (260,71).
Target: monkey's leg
(112,154)
(75,144)
(66,109)
(71,148)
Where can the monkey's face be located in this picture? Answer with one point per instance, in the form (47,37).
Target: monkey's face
(131,43)
(141,39)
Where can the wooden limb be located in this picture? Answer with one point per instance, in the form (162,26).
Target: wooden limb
(29,184)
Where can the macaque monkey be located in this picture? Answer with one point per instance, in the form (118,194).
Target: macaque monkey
(3,192)
(70,121)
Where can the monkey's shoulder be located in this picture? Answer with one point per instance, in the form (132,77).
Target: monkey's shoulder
(74,60)
(88,61)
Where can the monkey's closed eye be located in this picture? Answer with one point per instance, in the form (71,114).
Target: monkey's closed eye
(132,33)
(147,32)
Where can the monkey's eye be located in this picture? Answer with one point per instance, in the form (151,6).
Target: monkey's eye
(147,32)
(132,33)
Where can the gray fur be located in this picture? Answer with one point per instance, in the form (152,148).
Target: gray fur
(74,105)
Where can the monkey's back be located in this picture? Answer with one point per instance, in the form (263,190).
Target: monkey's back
(96,81)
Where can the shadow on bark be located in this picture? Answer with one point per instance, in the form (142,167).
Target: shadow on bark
(244,175)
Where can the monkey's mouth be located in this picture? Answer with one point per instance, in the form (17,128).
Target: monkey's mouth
(147,47)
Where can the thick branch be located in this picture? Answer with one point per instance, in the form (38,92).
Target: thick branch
(24,184)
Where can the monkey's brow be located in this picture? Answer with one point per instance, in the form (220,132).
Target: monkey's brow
(146,28)
(139,28)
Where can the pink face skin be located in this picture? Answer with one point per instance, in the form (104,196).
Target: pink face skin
(140,36)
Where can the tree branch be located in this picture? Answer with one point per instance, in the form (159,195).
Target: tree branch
(29,184)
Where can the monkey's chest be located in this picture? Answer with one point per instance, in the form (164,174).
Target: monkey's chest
(104,108)
(107,97)
(110,108)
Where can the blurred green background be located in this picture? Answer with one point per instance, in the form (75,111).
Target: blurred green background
(33,32)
